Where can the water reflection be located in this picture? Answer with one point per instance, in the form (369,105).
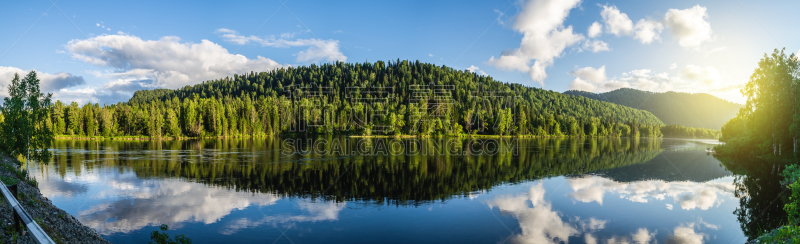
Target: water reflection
(259,166)
(537,220)
(540,223)
(689,195)
(761,196)
(312,212)
(119,187)
(147,203)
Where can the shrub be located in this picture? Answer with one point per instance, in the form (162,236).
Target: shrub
(163,238)
(791,174)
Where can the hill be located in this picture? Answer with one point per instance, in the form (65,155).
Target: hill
(389,98)
(699,110)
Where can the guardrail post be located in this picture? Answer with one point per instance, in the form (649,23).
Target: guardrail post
(17,219)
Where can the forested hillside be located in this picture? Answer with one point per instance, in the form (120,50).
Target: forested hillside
(693,110)
(387,98)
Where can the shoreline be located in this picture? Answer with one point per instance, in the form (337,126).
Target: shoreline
(466,136)
(57,223)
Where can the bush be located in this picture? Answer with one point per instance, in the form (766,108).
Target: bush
(163,238)
(793,207)
(791,174)
(789,233)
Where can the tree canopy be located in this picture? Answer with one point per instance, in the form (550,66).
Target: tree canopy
(21,129)
(770,121)
(380,98)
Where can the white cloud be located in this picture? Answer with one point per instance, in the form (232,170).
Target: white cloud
(49,83)
(539,223)
(166,62)
(595,30)
(673,66)
(669,206)
(707,225)
(430,55)
(316,211)
(590,74)
(692,79)
(689,195)
(689,26)
(617,23)
(593,224)
(544,37)
(648,30)
(475,69)
(592,80)
(589,239)
(317,49)
(500,16)
(537,220)
(165,202)
(642,236)
(596,46)
(706,75)
(686,235)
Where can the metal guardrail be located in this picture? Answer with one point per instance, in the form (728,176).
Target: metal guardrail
(20,214)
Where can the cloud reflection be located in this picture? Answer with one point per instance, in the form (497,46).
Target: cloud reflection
(171,202)
(686,235)
(539,223)
(689,195)
(313,212)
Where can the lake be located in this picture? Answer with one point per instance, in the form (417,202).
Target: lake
(356,190)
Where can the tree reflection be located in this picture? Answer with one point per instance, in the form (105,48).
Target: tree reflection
(760,194)
(259,166)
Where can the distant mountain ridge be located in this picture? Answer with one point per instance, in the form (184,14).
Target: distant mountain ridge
(693,110)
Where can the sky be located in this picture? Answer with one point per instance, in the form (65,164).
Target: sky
(103,51)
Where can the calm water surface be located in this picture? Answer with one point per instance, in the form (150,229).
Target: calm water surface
(547,190)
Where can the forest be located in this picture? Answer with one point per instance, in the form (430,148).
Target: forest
(698,110)
(769,124)
(368,99)
(764,134)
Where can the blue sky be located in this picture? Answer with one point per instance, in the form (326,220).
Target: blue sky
(100,51)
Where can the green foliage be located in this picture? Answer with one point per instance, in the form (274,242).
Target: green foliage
(163,238)
(791,174)
(697,110)
(790,233)
(25,114)
(15,123)
(677,131)
(793,207)
(8,180)
(784,234)
(770,121)
(275,102)
(20,173)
